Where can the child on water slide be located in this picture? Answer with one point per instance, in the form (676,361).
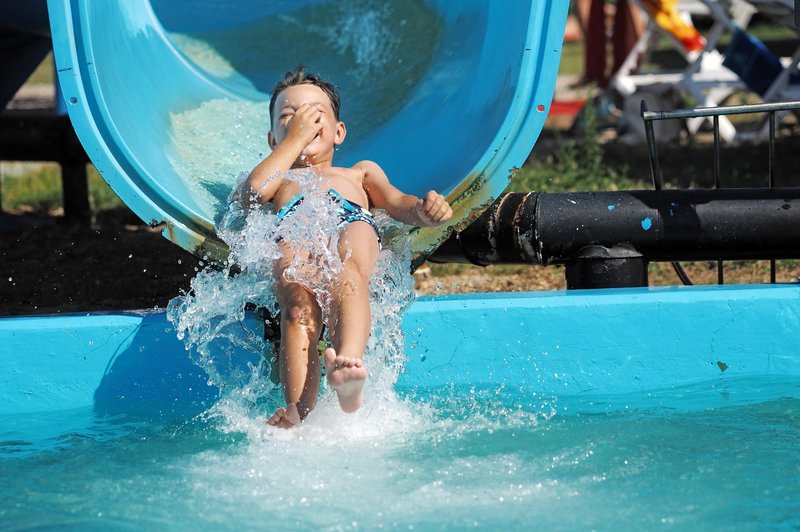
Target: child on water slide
(305,131)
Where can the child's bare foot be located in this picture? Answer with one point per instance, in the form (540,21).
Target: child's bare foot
(285,418)
(346,375)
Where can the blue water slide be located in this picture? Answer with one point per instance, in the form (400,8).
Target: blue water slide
(169,97)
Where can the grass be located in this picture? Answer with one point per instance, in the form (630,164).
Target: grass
(577,164)
(659,273)
(44,73)
(39,191)
(571,59)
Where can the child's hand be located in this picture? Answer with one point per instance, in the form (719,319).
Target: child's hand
(305,124)
(433,209)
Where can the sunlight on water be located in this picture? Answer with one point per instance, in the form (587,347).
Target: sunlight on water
(364,32)
(438,461)
(377,468)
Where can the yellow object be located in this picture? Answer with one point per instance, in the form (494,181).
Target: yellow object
(665,14)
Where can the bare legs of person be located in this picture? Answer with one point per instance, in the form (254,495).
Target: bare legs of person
(301,324)
(351,320)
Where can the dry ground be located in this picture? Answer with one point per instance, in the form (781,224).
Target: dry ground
(48,265)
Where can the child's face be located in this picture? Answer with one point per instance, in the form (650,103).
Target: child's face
(320,150)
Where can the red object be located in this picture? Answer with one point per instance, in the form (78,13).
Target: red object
(565,107)
(695,43)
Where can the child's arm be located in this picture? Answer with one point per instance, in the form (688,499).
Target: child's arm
(303,127)
(429,211)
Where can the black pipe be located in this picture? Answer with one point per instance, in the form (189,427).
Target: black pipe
(600,267)
(657,225)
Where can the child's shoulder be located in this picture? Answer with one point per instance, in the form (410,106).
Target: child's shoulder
(369,169)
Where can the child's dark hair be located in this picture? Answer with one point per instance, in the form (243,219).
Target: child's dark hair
(300,77)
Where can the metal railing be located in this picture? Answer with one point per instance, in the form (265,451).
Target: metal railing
(714,113)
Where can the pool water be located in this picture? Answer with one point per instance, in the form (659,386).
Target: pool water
(721,454)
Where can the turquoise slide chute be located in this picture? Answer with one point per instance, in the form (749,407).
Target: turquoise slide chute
(169,97)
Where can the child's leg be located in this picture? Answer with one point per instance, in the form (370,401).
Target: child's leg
(351,320)
(301,325)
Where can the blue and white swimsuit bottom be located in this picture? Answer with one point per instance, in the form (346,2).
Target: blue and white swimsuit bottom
(347,211)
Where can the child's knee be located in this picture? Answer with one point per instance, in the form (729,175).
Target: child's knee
(298,314)
(304,314)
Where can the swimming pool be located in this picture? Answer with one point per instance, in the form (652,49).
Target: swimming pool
(598,409)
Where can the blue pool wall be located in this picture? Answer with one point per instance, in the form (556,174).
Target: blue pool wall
(564,344)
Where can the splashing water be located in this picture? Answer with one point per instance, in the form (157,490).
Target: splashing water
(206,154)
(211,318)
